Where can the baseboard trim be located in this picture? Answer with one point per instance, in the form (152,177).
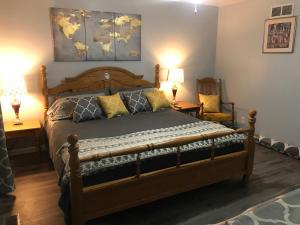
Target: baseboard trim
(279,146)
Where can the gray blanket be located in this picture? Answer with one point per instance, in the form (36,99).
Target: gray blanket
(90,149)
(58,131)
(104,136)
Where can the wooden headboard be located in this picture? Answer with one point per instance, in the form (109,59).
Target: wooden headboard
(96,79)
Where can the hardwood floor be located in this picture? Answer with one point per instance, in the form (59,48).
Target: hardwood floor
(37,193)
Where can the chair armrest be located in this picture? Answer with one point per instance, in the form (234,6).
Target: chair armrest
(232,110)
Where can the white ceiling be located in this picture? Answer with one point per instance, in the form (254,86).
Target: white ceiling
(221,2)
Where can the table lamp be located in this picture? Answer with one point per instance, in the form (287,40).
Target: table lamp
(15,88)
(176,76)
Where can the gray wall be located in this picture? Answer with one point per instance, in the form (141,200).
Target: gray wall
(267,82)
(168,28)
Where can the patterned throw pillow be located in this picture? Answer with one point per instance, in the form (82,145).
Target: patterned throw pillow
(157,100)
(85,108)
(137,101)
(113,105)
(61,109)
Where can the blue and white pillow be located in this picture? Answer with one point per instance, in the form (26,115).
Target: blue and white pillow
(85,108)
(63,108)
(136,101)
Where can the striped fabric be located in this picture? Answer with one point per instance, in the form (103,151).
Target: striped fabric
(89,148)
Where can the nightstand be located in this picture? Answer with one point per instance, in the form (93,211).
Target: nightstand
(187,107)
(28,128)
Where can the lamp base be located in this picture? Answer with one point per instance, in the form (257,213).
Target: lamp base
(16,106)
(174,92)
(174,102)
(18,122)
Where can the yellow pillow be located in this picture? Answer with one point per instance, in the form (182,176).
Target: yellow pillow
(211,103)
(113,105)
(157,100)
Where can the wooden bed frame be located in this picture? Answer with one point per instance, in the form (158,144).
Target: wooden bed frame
(110,197)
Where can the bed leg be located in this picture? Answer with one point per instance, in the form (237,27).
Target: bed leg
(75,182)
(250,145)
(245,181)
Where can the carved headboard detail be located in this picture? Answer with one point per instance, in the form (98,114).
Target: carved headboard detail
(96,79)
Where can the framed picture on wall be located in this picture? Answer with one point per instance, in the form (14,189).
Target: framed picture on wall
(279,35)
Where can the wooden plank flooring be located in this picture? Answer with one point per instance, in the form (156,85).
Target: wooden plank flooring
(37,193)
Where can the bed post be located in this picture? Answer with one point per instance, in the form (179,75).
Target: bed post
(45,90)
(75,182)
(250,145)
(157,70)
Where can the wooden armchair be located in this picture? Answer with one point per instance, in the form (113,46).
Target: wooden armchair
(211,86)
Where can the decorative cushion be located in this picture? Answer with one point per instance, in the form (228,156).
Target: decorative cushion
(85,108)
(137,102)
(113,105)
(157,100)
(211,103)
(218,117)
(61,109)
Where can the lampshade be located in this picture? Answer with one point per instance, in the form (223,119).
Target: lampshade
(14,86)
(176,76)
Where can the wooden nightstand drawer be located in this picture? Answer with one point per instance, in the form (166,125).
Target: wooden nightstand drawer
(21,133)
(28,128)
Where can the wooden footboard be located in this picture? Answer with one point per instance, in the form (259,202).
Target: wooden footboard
(109,197)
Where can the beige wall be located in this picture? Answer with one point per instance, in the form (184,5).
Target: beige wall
(169,29)
(267,82)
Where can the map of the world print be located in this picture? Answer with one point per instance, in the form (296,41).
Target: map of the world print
(83,35)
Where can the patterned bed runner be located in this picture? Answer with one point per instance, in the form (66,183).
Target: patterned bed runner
(89,148)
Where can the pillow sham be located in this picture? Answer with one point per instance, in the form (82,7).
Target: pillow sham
(136,101)
(85,108)
(113,105)
(211,103)
(157,100)
(61,109)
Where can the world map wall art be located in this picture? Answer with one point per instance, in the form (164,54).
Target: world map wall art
(83,35)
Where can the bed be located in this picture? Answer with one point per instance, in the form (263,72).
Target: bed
(174,153)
